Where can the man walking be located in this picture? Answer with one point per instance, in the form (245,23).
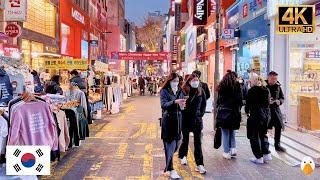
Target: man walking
(277,99)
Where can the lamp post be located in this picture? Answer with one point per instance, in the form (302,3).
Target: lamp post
(217,57)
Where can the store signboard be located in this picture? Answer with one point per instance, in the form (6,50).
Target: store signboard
(200,12)
(140,56)
(191,44)
(212,7)
(15,10)
(227,34)
(81,64)
(13,30)
(84,49)
(77,16)
(250,9)
(11,51)
(174,56)
(232,16)
(177,16)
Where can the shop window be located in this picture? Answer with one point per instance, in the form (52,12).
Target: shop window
(41,17)
(26,51)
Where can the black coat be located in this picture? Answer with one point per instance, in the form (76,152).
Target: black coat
(258,100)
(231,104)
(206,90)
(276,114)
(195,109)
(171,123)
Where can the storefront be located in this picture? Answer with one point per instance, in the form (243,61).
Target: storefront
(38,40)
(296,59)
(254,38)
(74,31)
(304,77)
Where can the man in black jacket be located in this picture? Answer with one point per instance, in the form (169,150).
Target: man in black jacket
(277,99)
(203,84)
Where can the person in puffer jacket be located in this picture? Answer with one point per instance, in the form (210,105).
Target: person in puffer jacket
(6,90)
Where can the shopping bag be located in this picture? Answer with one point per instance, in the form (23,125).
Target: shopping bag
(217,138)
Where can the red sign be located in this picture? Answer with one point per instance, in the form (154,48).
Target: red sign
(140,56)
(245,10)
(10,50)
(13,30)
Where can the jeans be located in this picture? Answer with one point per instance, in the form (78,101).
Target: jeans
(228,138)
(277,134)
(183,151)
(170,147)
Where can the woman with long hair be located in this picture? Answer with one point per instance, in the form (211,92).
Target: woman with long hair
(53,86)
(228,117)
(172,101)
(192,121)
(258,111)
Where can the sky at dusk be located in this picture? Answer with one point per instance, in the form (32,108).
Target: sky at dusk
(136,10)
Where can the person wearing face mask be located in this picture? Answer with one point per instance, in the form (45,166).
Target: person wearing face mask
(258,111)
(192,121)
(172,101)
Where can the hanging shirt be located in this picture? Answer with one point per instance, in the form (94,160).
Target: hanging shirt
(33,124)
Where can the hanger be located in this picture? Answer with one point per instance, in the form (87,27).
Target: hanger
(28,97)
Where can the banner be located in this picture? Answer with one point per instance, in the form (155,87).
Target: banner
(81,64)
(177,15)
(15,10)
(140,56)
(200,12)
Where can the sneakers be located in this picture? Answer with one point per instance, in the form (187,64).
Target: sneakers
(174,175)
(257,161)
(233,152)
(279,148)
(201,169)
(184,161)
(226,155)
(267,157)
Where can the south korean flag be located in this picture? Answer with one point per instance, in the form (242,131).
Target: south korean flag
(28,160)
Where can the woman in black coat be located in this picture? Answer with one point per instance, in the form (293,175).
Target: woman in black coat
(228,117)
(192,121)
(172,99)
(257,108)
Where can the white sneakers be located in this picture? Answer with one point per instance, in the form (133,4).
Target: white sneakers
(257,161)
(201,169)
(233,152)
(226,155)
(184,161)
(174,175)
(267,157)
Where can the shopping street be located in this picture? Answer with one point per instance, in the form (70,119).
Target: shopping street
(128,146)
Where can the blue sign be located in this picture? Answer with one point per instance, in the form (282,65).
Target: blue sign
(103,59)
(250,9)
(84,49)
(94,43)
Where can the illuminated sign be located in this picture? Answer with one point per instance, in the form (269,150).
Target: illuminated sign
(77,16)
(200,8)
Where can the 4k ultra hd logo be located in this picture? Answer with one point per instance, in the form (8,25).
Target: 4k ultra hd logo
(28,160)
(297,19)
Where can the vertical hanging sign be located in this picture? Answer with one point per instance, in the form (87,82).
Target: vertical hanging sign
(15,10)
(177,15)
(200,12)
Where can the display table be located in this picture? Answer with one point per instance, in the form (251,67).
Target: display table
(308,113)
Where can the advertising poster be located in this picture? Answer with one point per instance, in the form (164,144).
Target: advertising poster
(191,44)
(84,49)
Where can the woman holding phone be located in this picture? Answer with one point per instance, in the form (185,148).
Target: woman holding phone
(192,121)
(172,101)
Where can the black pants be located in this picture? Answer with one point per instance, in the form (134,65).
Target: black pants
(183,151)
(277,134)
(170,147)
(259,143)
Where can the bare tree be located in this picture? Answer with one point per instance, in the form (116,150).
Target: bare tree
(150,33)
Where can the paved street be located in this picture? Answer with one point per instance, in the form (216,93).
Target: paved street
(128,146)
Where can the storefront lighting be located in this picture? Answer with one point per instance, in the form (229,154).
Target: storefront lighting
(177,1)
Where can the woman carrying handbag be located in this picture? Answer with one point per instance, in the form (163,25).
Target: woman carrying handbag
(228,117)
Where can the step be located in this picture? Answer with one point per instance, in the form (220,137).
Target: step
(305,139)
(291,157)
(300,147)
